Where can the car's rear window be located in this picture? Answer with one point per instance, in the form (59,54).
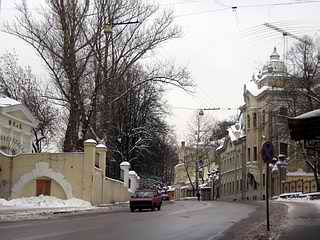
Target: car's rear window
(144,194)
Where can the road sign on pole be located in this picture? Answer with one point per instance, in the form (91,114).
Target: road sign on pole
(267,156)
(267,152)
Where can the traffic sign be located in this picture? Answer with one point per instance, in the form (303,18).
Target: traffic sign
(267,152)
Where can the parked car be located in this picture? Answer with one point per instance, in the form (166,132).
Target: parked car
(313,196)
(292,195)
(145,199)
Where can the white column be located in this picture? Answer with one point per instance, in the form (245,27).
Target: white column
(125,166)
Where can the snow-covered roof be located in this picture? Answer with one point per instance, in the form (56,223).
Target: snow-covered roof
(6,101)
(312,114)
(252,87)
(235,132)
(220,147)
(221,143)
(299,173)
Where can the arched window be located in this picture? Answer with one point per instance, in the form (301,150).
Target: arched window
(254,120)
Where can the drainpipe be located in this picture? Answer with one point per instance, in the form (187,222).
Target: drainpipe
(10,176)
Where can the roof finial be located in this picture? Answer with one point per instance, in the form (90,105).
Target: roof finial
(275,55)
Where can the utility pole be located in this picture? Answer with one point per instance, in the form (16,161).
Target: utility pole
(197,154)
(285,34)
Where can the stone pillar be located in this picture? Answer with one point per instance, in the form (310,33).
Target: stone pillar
(125,166)
(133,176)
(102,151)
(88,170)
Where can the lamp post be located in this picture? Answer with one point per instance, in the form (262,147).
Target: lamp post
(279,166)
(282,165)
(197,153)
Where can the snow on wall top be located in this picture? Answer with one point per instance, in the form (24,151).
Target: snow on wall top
(299,173)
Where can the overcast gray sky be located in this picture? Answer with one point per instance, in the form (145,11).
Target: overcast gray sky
(221,47)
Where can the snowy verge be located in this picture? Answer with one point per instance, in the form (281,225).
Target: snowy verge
(44,202)
(45,207)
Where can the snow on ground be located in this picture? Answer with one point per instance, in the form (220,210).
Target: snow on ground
(44,202)
(303,199)
(41,207)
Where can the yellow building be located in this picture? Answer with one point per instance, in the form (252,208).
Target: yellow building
(185,171)
(232,160)
(265,111)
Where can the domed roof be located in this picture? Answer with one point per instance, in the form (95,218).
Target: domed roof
(275,65)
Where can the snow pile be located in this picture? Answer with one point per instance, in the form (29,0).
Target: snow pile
(45,202)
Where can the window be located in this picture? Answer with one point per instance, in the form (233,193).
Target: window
(254,120)
(255,153)
(263,117)
(283,111)
(263,179)
(249,155)
(284,149)
(248,121)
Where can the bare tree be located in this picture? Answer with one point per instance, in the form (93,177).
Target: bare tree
(19,83)
(303,91)
(87,61)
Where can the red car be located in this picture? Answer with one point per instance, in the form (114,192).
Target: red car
(145,199)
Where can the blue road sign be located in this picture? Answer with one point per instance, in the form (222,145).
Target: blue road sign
(267,152)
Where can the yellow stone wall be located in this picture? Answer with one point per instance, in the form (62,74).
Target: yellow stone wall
(71,174)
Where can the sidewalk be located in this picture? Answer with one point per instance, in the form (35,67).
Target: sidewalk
(9,214)
(303,221)
(254,227)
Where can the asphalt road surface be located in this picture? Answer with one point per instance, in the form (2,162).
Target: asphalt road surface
(185,220)
(303,222)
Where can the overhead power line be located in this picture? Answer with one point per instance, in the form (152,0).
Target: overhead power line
(207,109)
(234,8)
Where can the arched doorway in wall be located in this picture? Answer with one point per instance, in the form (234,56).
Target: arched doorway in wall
(47,182)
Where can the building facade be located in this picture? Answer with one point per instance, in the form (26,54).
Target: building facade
(16,124)
(263,118)
(185,170)
(232,160)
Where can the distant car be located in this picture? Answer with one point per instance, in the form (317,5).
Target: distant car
(164,196)
(145,199)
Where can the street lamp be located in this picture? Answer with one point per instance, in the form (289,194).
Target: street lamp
(282,165)
(279,166)
(201,113)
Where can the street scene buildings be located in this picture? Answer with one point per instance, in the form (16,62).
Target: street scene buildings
(263,117)
(159,120)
